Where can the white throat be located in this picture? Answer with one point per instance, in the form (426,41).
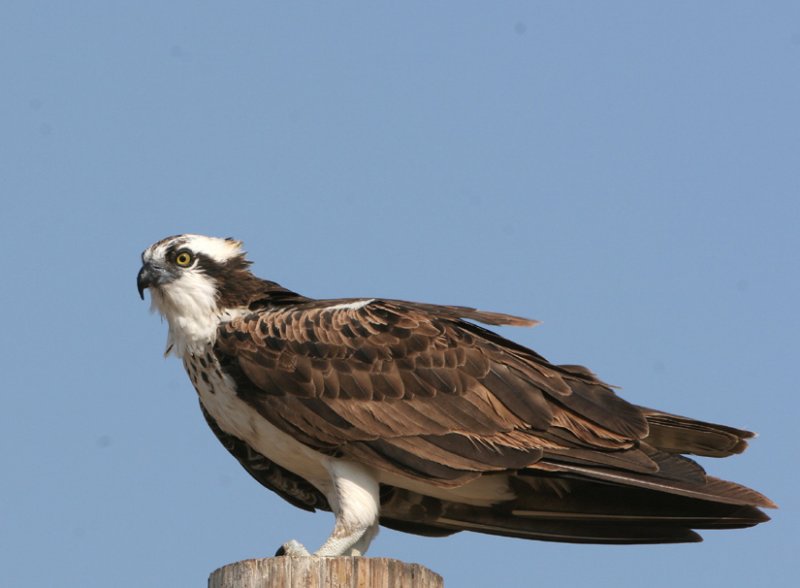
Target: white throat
(189,304)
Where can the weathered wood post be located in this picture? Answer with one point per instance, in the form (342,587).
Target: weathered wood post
(324,572)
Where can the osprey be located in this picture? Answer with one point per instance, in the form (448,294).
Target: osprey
(412,416)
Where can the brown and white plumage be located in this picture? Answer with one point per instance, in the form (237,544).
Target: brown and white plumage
(413,416)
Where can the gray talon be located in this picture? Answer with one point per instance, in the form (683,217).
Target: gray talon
(292,549)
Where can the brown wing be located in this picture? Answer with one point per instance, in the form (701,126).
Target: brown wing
(413,389)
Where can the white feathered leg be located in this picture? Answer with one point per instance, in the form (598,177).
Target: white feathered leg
(355,501)
(360,547)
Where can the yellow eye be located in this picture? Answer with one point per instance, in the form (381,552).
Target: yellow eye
(183,259)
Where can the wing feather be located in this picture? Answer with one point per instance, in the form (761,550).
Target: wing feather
(416,391)
(423,390)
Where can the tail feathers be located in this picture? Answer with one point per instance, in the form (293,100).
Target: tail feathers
(564,530)
(670,474)
(545,530)
(712,490)
(677,434)
(590,500)
(589,512)
(581,527)
(575,527)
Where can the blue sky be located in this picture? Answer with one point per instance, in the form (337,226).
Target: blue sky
(626,172)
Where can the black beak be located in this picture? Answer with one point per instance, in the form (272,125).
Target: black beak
(152,275)
(146,278)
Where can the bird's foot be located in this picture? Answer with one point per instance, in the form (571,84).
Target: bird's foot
(292,549)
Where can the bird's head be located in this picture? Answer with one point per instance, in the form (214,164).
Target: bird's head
(193,279)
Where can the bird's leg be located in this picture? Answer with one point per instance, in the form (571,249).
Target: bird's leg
(292,548)
(360,547)
(296,549)
(355,501)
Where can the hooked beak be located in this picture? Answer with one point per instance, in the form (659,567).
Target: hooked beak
(150,275)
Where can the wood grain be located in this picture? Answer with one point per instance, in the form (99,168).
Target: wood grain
(324,572)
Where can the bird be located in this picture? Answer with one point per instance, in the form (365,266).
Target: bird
(414,417)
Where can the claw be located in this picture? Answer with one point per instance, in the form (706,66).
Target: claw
(292,549)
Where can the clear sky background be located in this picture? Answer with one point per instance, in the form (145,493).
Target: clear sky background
(626,172)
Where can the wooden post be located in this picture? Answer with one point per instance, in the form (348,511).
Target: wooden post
(324,572)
